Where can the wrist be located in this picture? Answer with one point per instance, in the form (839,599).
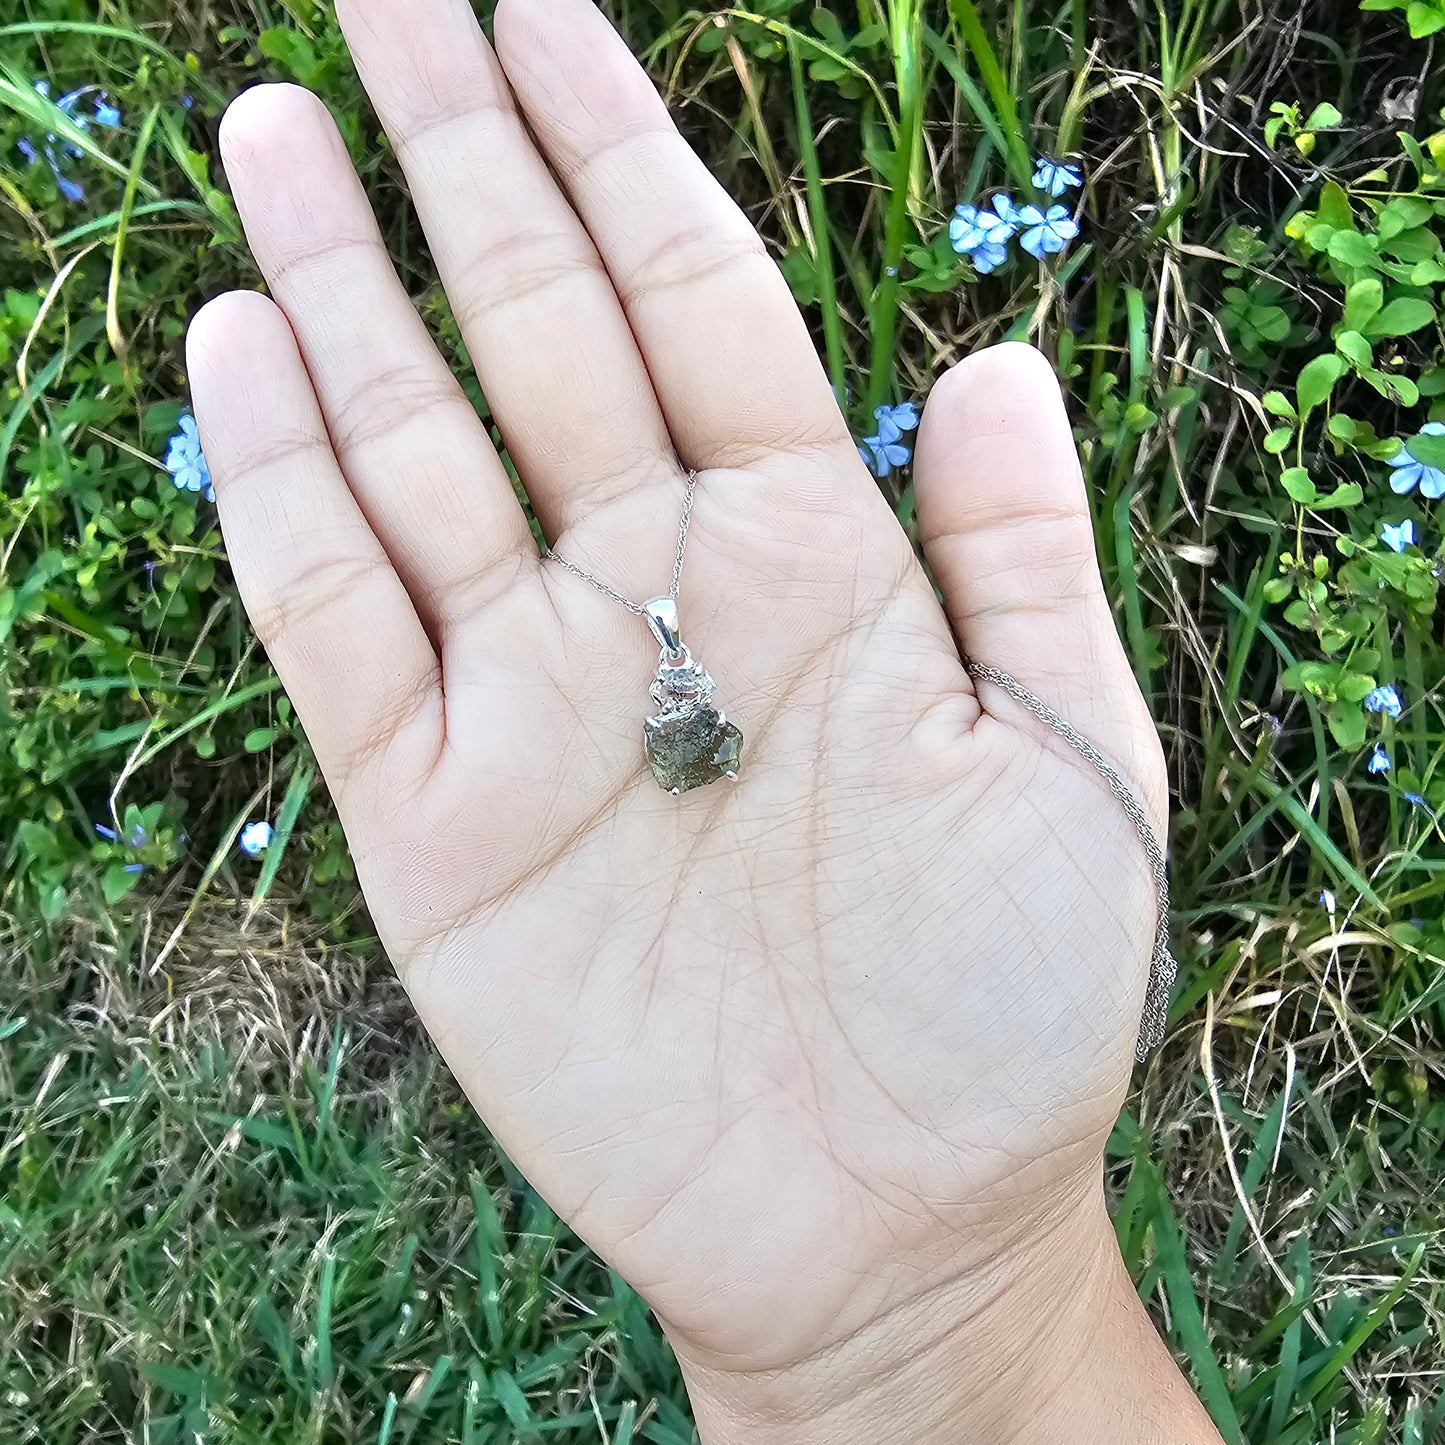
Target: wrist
(1048,1344)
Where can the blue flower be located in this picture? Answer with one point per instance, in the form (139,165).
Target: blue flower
(1398,538)
(1417,801)
(896,419)
(1379,760)
(1327,900)
(982,234)
(1046,232)
(1409,473)
(136,839)
(186,462)
(988,257)
(1383,699)
(883,452)
(1056,177)
(57,153)
(255,839)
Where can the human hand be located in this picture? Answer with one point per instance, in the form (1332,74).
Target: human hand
(822,1060)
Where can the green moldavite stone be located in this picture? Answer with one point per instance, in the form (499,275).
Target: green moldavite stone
(693,750)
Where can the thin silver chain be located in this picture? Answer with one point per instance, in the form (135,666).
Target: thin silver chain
(1162,968)
(612,592)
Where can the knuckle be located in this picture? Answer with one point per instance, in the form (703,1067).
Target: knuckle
(275,452)
(389,401)
(518,268)
(401,713)
(314,592)
(692,257)
(466,108)
(328,252)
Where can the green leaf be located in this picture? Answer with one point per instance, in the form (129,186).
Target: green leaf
(1297,483)
(1276,403)
(1411,246)
(1347,494)
(1347,724)
(1404,213)
(1428,449)
(1398,388)
(1334,209)
(1316,381)
(1354,686)
(1278,440)
(1423,168)
(1138,418)
(1362,300)
(1323,117)
(294,51)
(1354,346)
(1423,19)
(259,739)
(1350,248)
(1402,316)
(117,881)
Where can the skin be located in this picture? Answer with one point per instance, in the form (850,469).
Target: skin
(823,1060)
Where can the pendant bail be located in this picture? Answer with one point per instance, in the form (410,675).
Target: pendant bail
(661,617)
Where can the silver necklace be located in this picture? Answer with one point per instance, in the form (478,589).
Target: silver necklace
(689,742)
(1162,968)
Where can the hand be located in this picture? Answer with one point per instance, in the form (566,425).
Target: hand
(822,1060)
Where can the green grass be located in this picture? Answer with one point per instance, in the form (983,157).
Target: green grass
(238,1199)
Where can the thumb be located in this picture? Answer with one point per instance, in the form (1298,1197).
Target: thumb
(1006,529)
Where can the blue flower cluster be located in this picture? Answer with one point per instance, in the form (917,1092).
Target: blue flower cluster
(982,233)
(255,838)
(1397,538)
(1384,700)
(186,462)
(886,449)
(1410,473)
(58,154)
(136,839)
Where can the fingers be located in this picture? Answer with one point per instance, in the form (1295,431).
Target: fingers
(730,357)
(320,591)
(553,350)
(1006,529)
(418,459)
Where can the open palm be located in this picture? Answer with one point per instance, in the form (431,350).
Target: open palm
(790,1050)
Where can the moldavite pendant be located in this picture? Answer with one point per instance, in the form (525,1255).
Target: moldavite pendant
(690,743)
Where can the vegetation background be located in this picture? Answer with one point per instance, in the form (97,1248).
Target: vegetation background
(239,1201)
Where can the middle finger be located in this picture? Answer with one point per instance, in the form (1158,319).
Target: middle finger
(547,335)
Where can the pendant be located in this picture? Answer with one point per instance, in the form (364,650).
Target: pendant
(690,743)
